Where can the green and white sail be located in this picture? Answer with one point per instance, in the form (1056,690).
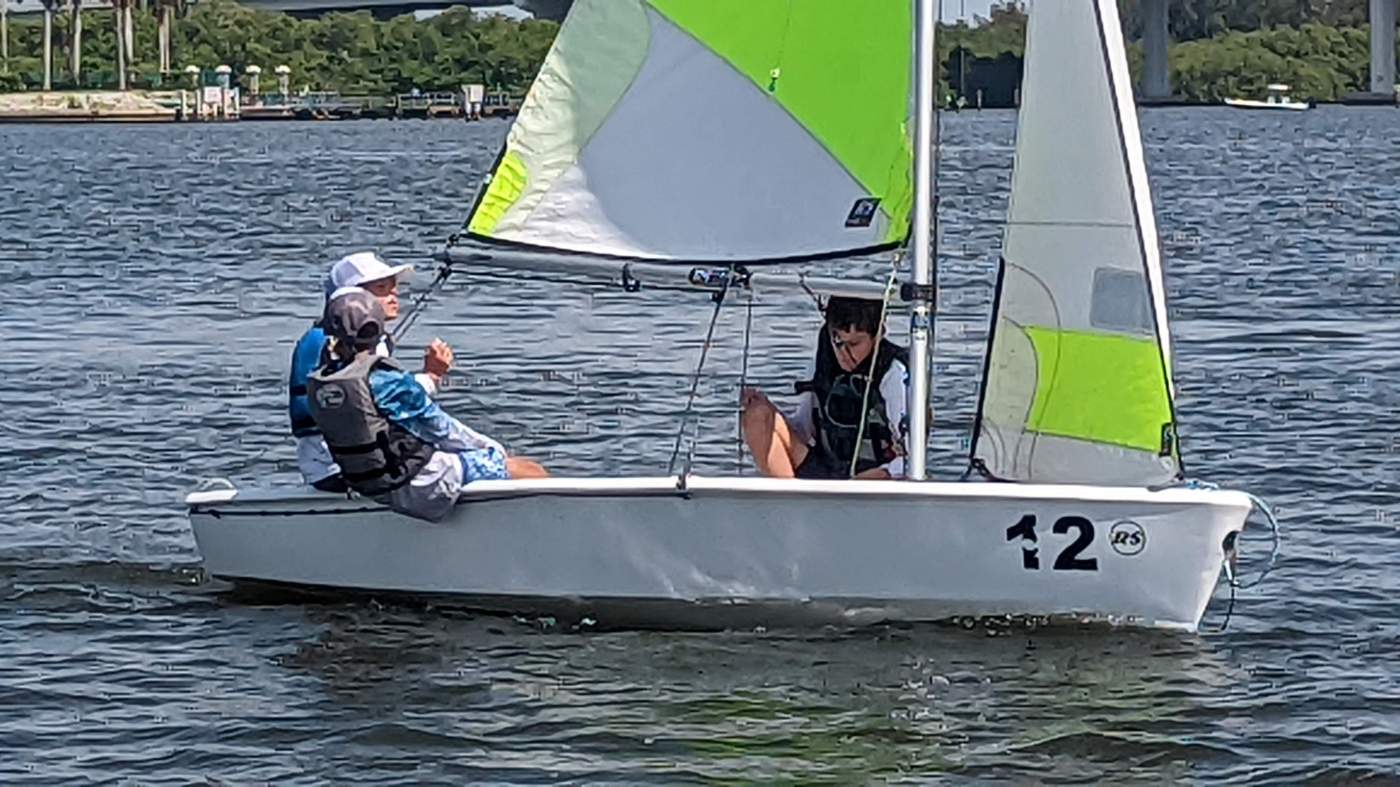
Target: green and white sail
(1078,384)
(712,130)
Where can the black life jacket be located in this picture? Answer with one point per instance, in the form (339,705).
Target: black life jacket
(838,410)
(376,455)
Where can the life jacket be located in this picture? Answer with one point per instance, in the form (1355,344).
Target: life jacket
(309,355)
(376,455)
(306,358)
(838,410)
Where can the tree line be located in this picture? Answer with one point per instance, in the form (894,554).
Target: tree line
(1190,20)
(1221,48)
(353,53)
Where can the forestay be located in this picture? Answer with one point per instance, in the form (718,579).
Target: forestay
(712,131)
(1078,381)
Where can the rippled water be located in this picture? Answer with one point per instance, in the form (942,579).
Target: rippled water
(156,277)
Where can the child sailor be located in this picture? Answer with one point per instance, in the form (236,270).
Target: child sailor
(391,440)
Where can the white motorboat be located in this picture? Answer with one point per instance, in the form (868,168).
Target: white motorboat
(1277,98)
(686,143)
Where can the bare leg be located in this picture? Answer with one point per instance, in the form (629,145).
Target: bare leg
(775,451)
(516,468)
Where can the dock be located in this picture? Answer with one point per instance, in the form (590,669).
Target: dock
(86,107)
(224,104)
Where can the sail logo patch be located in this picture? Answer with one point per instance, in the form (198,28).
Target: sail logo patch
(862,212)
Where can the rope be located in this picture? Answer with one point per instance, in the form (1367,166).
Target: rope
(743,382)
(1273,550)
(695,380)
(1230,607)
(416,308)
(1232,581)
(874,355)
(1269,517)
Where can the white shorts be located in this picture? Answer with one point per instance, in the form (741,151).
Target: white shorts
(433,491)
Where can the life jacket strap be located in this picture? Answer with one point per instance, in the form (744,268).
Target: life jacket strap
(362,448)
(366,475)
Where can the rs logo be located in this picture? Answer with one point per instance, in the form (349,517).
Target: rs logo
(1127,537)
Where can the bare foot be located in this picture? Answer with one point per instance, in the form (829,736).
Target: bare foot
(517,468)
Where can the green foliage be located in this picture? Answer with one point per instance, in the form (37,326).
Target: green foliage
(1226,48)
(1003,33)
(1189,20)
(1320,63)
(352,53)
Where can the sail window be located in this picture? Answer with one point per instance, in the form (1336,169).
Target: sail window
(1120,302)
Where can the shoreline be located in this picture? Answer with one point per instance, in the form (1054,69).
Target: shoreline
(184,106)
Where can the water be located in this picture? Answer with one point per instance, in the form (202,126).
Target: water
(156,277)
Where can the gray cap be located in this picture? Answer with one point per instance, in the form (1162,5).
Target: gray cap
(356,317)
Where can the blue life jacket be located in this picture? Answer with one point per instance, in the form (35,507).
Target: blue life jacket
(306,357)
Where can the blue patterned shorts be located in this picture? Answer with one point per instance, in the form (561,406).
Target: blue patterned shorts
(483,464)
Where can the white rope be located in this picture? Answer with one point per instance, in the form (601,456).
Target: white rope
(1277,538)
(743,382)
(1269,517)
(874,355)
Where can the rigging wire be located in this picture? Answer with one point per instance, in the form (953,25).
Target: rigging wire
(695,381)
(874,354)
(743,383)
(417,307)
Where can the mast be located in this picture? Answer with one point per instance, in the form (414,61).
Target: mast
(921,319)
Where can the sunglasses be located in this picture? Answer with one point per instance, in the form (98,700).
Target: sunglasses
(382,287)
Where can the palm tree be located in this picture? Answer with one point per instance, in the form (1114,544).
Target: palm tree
(165,11)
(5,34)
(49,6)
(121,11)
(75,45)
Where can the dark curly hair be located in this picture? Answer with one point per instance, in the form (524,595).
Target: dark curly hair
(853,314)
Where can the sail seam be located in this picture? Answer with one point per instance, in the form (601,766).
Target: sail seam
(836,254)
(803,126)
(1141,241)
(578,153)
(1100,224)
(987,361)
(1092,440)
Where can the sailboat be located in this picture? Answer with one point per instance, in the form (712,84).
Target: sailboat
(708,144)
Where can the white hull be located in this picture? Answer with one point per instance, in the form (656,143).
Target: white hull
(745,552)
(1245,103)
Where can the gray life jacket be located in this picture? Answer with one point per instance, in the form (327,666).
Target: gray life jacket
(376,456)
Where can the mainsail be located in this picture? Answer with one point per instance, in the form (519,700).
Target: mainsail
(1078,383)
(712,131)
